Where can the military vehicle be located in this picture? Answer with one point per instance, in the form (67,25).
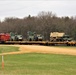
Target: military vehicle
(32,36)
(15,37)
(59,36)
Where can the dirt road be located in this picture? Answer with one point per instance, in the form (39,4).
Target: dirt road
(43,49)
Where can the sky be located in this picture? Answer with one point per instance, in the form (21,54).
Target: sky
(23,8)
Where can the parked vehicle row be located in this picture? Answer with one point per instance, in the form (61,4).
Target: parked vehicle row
(56,38)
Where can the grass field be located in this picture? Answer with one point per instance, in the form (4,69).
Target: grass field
(4,49)
(38,64)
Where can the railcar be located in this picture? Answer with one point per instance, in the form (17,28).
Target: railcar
(4,37)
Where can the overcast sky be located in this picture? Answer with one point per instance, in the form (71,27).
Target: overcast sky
(22,8)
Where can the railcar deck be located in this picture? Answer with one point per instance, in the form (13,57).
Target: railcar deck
(70,43)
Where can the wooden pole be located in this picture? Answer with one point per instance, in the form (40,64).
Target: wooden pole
(2,62)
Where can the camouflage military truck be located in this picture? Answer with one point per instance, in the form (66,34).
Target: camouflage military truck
(59,36)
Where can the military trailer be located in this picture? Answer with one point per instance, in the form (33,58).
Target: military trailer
(40,37)
(18,37)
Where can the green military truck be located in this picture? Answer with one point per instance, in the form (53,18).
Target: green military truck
(32,36)
(15,37)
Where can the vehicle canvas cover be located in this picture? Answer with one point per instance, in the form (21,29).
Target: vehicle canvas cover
(56,34)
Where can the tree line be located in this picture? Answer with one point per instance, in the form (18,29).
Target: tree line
(43,23)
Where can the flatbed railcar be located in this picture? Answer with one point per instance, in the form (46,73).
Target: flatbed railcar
(5,38)
(46,43)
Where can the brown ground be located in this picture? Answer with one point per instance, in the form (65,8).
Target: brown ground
(43,49)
